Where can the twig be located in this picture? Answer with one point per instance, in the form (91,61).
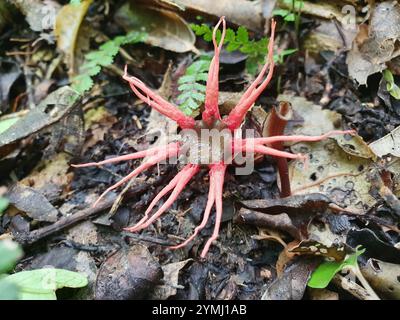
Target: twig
(66,222)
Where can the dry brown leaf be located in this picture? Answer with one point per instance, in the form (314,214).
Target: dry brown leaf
(387,145)
(171,277)
(68,23)
(165,29)
(373,49)
(241,12)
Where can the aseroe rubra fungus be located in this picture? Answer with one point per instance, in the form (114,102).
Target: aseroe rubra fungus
(211,120)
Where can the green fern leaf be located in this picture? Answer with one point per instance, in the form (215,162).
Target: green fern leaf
(102,57)
(192,86)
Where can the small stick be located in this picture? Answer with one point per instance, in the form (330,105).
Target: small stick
(80,215)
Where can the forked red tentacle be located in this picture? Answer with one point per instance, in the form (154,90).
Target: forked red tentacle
(157,102)
(236,116)
(217,172)
(131,156)
(174,195)
(206,216)
(299,138)
(211,111)
(171,185)
(172,150)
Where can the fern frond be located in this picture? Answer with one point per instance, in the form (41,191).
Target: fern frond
(192,86)
(103,57)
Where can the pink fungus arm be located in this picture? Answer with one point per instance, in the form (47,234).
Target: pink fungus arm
(171,151)
(183,181)
(217,172)
(158,103)
(236,116)
(211,111)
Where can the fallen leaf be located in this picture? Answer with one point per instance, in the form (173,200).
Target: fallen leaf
(241,12)
(315,248)
(50,177)
(322,294)
(68,23)
(39,14)
(165,29)
(128,274)
(331,171)
(292,284)
(374,48)
(384,277)
(387,145)
(171,280)
(375,247)
(31,202)
(56,105)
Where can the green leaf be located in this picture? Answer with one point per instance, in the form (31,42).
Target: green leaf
(42,284)
(102,57)
(8,290)
(3,205)
(323,275)
(242,36)
(391,86)
(10,253)
(192,88)
(187,79)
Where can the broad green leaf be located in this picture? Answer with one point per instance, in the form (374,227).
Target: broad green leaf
(10,253)
(391,86)
(323,275)
(42,284)
(8,290)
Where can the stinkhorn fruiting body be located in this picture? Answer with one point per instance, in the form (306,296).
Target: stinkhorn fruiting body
(213,152)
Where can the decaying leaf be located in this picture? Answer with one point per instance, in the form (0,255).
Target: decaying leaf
(68,23)
(242,12)
(293,282)
(165,28)
(280,221)
(171,277)
(128,274)
(291,214)
(332,172)
(39,14)
(31,202)
(375,247)
(50,177)
(56,105)
(311,247)
(388,145)
(375,44)
(383,277)
(338,167)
